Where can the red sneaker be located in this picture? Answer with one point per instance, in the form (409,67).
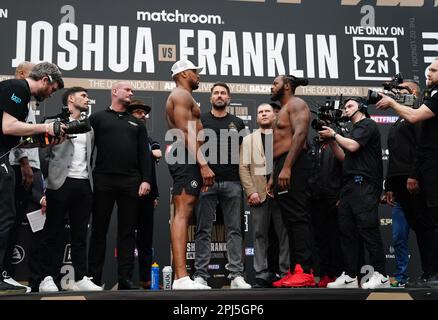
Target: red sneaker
(325,279)
(299,279)
(279,283)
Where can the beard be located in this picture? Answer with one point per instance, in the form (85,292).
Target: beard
(430,83)
(82,109)
(220,105)
(277,96)
(195,85)
(40,96)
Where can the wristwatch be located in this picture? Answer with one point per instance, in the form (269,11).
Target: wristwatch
(334,136)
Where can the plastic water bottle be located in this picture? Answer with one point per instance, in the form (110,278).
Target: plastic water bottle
(155,276)
(167,278)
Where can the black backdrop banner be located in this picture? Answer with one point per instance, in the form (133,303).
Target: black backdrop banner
(342,46)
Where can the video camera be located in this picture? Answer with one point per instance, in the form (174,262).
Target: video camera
(392,89)
(329,114)
(72,127)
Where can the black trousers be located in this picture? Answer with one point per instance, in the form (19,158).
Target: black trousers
(22,198)
(294,205)
(7,205)
(358,219)
(75,198)
(110,189)
(429,190)
(324,214)
(144,237)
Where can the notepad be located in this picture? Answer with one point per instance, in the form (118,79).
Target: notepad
(36,220)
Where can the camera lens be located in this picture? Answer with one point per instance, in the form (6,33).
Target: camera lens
(373,97)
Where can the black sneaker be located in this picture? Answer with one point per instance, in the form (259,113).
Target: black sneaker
(432,282)
(6,288)
(420,282)
(262,283)
(125,284)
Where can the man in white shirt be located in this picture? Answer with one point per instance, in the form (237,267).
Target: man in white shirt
(69,189)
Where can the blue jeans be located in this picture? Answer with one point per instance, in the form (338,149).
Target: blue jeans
(400,236)
(229,195)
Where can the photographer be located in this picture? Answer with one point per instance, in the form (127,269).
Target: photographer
(69,190)
(359,198)
(43,81)
(426,166)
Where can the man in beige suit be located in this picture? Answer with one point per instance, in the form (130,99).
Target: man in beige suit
(254,169)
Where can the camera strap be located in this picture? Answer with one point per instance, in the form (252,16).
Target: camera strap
(17,146)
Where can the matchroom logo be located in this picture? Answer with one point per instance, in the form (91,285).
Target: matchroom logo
(375,58)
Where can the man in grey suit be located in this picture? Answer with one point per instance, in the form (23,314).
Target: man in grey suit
(69,190)
(255,167)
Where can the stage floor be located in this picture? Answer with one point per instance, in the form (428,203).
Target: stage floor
(233,294)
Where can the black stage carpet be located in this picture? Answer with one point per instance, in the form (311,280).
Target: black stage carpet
(233,294)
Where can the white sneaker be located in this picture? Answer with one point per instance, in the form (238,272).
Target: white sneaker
(344,281)
(85,285)
(186,283)
(11,281)
(239,283)
(377,281)
(47,285)
(202,281)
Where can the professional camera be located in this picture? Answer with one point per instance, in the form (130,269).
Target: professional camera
(392,89)
(329,114)
(72,127)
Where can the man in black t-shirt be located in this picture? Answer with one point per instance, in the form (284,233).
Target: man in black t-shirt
(360,193)
(426,164)
(43,81)
(226,189)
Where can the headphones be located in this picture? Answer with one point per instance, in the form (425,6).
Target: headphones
(50,78)
(362,106)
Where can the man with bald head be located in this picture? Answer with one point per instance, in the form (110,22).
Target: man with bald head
(121,174)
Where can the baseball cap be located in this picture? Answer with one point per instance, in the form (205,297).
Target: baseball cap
(183,65)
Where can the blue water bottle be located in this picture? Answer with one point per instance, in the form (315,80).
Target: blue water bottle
(155,276)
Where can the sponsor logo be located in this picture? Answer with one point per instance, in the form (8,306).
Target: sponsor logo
(178,17)
(194,184)
(249,251)
(376,58)
(384,119)
(18,254)
(16,99)
(213,267)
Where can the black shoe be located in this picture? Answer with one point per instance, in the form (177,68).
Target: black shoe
(432,282)
(272,278)
(420,282)
(262,283)
(6,288)
(125,284)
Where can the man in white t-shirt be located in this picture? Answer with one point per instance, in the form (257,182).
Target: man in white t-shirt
(69,189)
